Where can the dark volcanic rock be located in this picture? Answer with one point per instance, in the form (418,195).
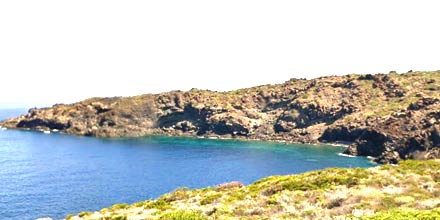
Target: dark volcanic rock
(387,116)
(370,143)
(341,133)
(423,103)
(51,124)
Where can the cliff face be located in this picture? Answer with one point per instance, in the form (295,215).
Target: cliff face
(387,116)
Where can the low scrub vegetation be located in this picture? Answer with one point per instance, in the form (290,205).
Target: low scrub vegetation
(409,190)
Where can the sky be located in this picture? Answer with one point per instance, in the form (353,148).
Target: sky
(54,51)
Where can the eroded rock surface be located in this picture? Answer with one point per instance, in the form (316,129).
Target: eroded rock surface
(387,116)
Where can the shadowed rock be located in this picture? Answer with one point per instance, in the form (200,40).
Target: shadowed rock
(387,116)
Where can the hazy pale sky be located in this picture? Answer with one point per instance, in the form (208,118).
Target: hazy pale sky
(65,51)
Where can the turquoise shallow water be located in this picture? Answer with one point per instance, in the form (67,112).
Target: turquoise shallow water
(51,175)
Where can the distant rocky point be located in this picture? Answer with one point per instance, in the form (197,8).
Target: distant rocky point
(387,116)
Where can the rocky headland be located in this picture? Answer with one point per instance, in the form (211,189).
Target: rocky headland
(387,116)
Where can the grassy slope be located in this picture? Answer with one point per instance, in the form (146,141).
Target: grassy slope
(410,190)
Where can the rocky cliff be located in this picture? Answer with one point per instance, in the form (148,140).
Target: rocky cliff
(387,116)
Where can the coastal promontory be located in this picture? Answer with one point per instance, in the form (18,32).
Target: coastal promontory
(390,116)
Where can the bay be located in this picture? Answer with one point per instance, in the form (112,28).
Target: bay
(51,175)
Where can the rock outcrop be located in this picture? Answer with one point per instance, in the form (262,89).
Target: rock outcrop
(386,116)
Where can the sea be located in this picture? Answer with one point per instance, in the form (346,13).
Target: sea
(52,175)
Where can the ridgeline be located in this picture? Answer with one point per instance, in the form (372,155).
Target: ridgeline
(387,116)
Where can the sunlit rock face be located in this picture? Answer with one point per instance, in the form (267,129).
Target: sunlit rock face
(387,116)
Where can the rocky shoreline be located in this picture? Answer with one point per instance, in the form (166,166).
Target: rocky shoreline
(386,116)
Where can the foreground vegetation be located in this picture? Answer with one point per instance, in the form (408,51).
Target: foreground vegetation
(410,190)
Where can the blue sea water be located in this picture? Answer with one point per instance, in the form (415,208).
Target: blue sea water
(51,175)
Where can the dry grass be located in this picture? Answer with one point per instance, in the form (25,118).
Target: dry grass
(334,193)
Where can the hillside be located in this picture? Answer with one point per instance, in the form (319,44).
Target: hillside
(387,116)
(410,190)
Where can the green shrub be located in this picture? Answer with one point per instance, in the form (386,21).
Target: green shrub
(178,194)
(235,196)
(271,190)
(160,204)
(418,167)
(272,200)
(182,215)
(397,214)
(325,179)
(119,217)
(210,198)
(138,204)
(388,203)
(120,206)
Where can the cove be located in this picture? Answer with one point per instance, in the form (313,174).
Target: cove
(51,175)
